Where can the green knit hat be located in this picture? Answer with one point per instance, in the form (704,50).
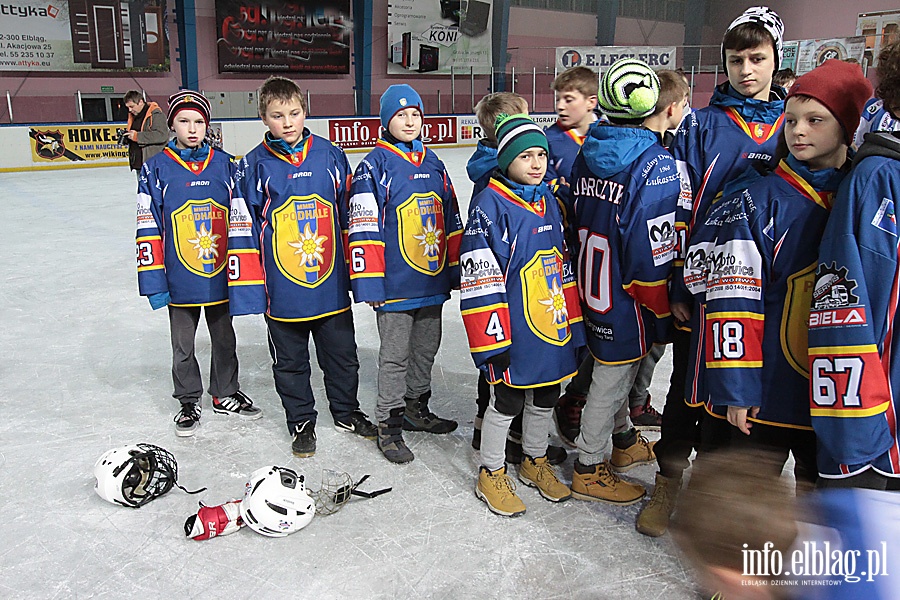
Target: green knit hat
(629,90)
(515,135)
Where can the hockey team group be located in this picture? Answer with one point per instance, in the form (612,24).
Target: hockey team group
(760,241)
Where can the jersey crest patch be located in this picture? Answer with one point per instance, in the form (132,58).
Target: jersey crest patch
(201,233)
(544,299)
(420,227)
(304,239)
(795,319)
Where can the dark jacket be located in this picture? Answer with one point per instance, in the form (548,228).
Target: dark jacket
(153,133)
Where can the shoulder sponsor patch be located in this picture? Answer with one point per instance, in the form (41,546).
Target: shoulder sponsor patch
(695,266)
(480,274)
(661,232)
(363,213)
(240,224)
(145,218)
(686,197)
(833,289)
(884,218)
(735,271)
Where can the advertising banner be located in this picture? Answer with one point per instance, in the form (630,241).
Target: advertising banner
(265,36)
(83,35)
(600,57)
(92,143)
(812,53)
(789,56)
(363,133)
(433,36)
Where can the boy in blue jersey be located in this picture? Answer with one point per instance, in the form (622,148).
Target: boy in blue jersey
(404,260)
(182,233)
(480,167)
(520,310)
(853,325)
(673,101)
(762,245)
(712,146)
(625,188)
(875,116)
(287,260)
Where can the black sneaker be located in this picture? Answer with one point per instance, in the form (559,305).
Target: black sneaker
(188,419)
(237,404)
(357,422)
(304,444)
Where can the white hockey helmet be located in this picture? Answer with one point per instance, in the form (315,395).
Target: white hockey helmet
(134,475)
(276,503)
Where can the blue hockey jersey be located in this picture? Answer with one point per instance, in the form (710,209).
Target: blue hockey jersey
(854,373)
(564,145)
(517,291)
(759,262)
(286,254)
(182,226)
(712,146)
(625,188)
(875,117)
(404,226)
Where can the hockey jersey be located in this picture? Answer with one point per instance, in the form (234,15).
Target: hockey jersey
(517,291)
(712,146)
(759,262)
(875,117)
(405,226)
(625,188)
(854,372)
(182,226)
(286,253)
(481,165)
(564,144)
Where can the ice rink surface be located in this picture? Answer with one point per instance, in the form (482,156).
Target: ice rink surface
(86,367)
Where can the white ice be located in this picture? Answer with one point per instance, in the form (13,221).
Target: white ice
(86,368)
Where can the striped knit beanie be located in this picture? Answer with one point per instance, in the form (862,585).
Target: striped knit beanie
(515,135)
(629,91)
(769,20)
(188,100)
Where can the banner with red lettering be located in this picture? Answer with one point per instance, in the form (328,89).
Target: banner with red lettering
(364,132)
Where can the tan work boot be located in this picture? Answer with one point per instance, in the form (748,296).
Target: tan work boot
(498,491)
(539,473)
(599,483)
(639,453)
(653,520)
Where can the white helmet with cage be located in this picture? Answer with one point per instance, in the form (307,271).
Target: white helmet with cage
(276,503)
(135,474)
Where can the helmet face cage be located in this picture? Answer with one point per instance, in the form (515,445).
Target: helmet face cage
(153,473)
(136,474)
(276,503)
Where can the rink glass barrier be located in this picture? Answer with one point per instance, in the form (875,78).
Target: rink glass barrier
(77,145)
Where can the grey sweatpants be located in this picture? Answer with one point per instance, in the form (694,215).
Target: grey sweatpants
(605,411)
(409,341)
(223,362)
(536,421)
(640,391)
